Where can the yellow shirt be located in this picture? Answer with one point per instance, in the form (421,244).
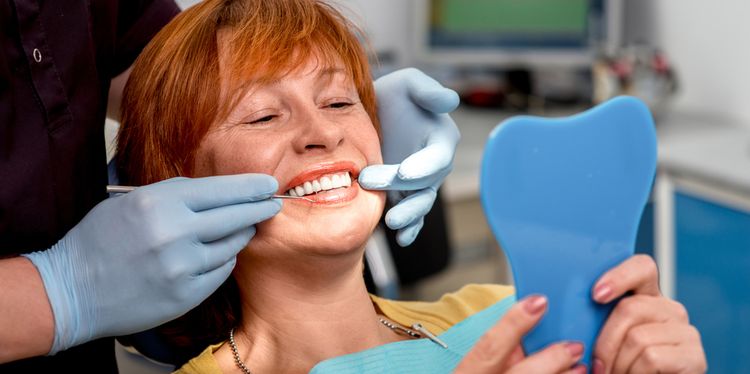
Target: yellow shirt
(436,316)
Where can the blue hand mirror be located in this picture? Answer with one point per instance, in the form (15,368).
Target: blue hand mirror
(564,198)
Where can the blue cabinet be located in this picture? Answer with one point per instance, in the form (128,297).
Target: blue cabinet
(712,271)
(644,241)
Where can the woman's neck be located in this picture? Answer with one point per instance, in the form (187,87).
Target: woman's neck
(295,315)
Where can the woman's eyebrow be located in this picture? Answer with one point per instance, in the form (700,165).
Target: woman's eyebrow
(333,76)
(331,71)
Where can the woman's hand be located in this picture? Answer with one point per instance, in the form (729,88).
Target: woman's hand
(646,332)
(499,350)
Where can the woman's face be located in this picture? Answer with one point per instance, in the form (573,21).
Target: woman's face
(310,131)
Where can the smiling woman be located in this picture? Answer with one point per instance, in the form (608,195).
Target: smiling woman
(283,88)
(280,88)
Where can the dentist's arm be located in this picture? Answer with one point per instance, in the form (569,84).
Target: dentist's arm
(27,325)
(419,141)
(141,259)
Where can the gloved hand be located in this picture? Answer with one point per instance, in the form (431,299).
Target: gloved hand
(419,141)
(138,260)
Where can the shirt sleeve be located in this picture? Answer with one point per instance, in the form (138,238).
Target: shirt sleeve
(137,23)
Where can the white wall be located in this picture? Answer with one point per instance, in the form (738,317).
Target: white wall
(709,43)
(186,3)
(387,24)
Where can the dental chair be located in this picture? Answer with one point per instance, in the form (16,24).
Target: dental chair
(389,267)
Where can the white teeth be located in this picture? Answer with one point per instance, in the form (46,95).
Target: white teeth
(325,182)
(336,181)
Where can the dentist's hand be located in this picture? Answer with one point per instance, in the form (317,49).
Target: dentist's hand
(141,259)
(419,141)
(499,349)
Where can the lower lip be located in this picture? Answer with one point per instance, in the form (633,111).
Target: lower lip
(331,197)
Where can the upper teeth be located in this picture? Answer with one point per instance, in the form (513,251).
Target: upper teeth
(324,183)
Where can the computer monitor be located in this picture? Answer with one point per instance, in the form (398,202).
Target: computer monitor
(511,34)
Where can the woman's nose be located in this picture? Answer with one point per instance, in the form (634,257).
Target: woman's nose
(318,134)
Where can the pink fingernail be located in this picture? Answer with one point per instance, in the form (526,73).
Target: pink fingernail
(598,367)
(535,304)
(602,292)
(580,369)
(575,350)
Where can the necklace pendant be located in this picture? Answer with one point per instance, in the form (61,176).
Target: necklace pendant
(422,330)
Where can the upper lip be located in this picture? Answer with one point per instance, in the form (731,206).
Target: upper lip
(318,170)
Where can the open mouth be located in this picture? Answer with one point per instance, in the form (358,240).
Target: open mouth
(325,183)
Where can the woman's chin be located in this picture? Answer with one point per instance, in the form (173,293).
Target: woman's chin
(333,235)
(320,242)
(324,231)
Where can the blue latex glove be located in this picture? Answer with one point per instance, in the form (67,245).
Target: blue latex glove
(141,259)
(419,141)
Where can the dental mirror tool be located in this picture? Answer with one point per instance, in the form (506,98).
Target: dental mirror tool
(126,189)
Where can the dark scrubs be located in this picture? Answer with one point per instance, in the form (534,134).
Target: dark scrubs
(57,58)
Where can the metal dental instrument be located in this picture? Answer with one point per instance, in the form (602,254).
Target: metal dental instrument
(126,189)
(119,189)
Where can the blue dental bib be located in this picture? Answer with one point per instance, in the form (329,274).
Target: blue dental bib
(564,198)
(421,355)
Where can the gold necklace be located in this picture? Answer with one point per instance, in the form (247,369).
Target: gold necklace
(236,354)
(420,331)
(245,370)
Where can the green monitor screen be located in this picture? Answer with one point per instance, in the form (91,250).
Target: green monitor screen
(524,31)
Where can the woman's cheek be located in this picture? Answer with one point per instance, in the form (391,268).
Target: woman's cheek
(370,145)
(253,157)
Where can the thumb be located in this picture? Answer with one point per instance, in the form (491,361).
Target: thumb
(495,349)
(429,94)
(379,177)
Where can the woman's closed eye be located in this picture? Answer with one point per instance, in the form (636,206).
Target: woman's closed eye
(339,104)
(261,117)
(267,118)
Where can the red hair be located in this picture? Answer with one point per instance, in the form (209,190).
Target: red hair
(174,94)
